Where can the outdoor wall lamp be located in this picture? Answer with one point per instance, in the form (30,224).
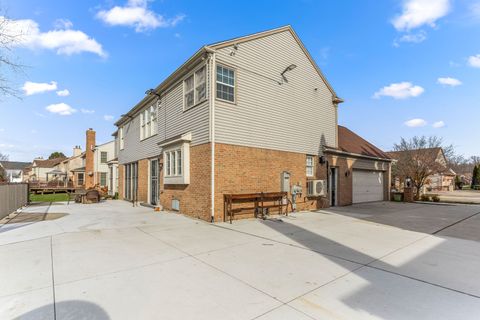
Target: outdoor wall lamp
(289,68)
(150,92)
(322,160)
(347,173)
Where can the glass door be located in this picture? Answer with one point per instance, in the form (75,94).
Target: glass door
(154,182)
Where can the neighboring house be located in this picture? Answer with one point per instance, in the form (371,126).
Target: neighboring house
(14,171)
(252,114)
(41,170)
(444,177)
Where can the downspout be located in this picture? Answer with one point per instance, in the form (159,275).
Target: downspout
(212,133)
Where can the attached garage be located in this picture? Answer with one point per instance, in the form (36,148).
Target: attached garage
(367,186)
(363,170)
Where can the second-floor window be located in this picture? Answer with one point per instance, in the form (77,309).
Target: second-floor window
(103,157)
(148,123)
(195,88)
(225,84)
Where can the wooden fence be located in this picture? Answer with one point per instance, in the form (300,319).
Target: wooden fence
(12,197)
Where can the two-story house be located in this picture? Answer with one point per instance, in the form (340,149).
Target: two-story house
(251,114)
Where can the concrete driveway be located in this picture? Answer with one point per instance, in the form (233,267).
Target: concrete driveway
(112,261)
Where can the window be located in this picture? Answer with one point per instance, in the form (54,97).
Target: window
(200,85)
(153,120)
(148,123)
(173,162)
(195,88)
(225,84)
(189,93)
(103,179)
(80,179)
(103,156)
(121,138)
(309,166)
(142,126)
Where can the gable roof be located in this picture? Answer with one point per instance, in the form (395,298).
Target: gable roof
(49,163)
(218,45)
(429,152)
(14,165)
(254,36)
(350,142)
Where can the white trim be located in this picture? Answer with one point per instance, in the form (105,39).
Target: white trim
(226,66)
(184,178)
(186,137)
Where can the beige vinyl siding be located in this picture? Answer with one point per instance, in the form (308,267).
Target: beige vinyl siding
(172,120)
(292,116)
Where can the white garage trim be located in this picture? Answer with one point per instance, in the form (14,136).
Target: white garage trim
(367,186)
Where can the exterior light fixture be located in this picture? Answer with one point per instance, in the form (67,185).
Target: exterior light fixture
(150,92)
(289,68)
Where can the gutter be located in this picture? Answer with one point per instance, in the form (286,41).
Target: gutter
(164,85)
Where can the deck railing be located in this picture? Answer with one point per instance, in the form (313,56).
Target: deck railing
(12,197)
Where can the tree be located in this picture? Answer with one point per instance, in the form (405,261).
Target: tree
(10,36)
(417,159)
(476,176)
(3,175)
(56,155)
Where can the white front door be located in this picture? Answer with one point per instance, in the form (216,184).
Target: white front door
(367,186)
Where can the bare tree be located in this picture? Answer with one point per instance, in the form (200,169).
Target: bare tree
(9,38)
(417,159)
(3,157)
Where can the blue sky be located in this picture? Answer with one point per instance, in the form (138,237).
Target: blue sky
(404,68)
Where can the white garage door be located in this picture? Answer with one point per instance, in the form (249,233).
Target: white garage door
(367,186)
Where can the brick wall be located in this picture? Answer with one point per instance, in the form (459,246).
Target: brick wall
(89,158)
(241,169)
(143,176)
(344,182)
(195,197)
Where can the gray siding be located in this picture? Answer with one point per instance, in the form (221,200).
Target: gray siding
(290,117)
(172,120)
(365,164)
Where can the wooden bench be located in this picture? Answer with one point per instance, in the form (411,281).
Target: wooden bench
(260,201)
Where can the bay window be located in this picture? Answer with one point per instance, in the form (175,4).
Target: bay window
(176,160)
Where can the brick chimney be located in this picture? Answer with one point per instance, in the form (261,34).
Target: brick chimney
(89,160)
(77,150)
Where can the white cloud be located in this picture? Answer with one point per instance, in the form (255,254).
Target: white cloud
(62,109)
(415,123)
(63,93)
(137,14)
(2,130)
(438,124)
(411,38)
(26,33)
(401,90)
(417,13)
(108,117)
(38,114)
(63,24)
(474,61)
(87,111)
(31,88)
(449,81)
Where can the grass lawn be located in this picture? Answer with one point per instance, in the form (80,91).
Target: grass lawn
(48,197)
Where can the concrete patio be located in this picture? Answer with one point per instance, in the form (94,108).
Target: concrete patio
(115,261)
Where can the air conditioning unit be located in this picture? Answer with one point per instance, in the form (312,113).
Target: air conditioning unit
(316,188)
